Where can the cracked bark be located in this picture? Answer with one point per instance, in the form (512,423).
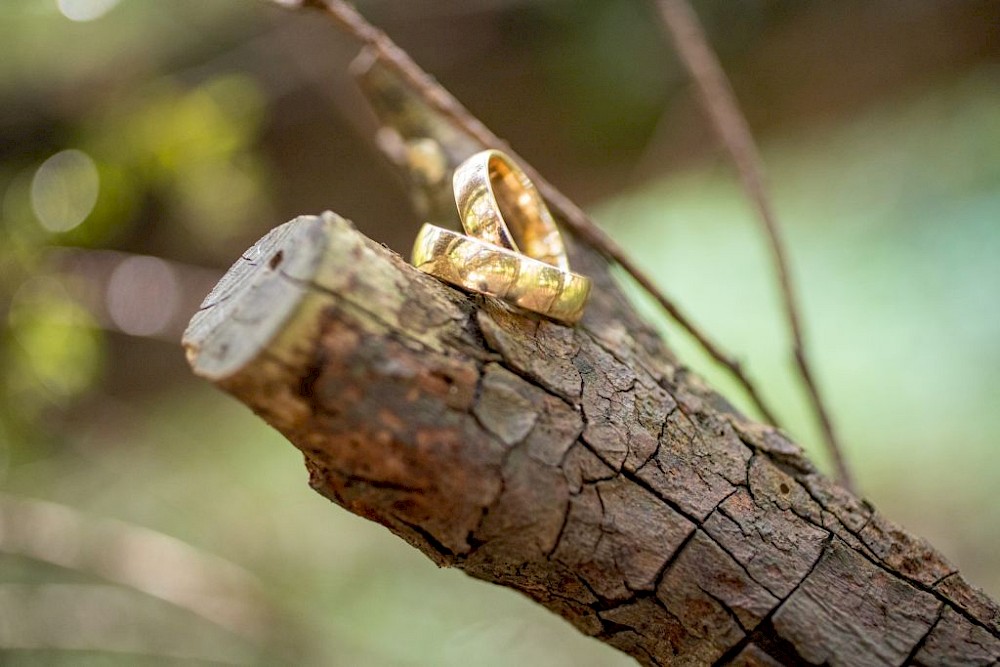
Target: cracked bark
(584,467)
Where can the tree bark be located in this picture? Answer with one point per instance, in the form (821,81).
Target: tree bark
(583,466)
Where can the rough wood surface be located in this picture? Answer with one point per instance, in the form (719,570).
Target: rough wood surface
(584,467)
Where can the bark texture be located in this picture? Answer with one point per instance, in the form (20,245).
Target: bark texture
(583,466)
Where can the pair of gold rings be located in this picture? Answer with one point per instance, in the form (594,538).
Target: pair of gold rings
(511,248)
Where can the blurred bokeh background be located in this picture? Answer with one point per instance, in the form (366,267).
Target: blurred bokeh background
(147,519)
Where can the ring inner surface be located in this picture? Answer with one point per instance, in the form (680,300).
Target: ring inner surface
(528,219)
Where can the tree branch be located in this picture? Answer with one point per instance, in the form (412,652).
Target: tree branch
(581,466)
(734,133)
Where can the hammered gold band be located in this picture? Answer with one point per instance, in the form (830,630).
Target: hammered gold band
(499,204)
(486,268)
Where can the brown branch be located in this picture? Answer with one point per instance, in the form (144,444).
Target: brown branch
(580,466)
(733,131)
(348,19)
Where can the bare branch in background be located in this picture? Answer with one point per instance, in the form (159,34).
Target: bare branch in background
(142,559)
(348,19)
(85,618)
(731,126)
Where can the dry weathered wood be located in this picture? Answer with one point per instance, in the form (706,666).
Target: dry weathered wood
(584,467)
(581,466)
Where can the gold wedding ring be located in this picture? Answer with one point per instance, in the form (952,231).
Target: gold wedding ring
(513,250)
(498,203)
(486,268)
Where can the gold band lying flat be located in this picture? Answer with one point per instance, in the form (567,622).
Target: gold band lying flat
(499,204)
(486,268)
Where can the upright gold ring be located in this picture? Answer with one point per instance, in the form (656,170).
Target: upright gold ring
(486,268)
(499,204)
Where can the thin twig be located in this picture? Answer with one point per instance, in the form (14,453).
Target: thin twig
(733,130)
(139,558)
(348,19)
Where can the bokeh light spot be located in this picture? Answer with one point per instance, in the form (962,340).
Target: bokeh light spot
(64,190)
(85,10)
(142,295)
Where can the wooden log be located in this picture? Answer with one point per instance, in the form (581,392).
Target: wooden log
(583,466)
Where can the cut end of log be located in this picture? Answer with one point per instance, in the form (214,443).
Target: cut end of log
(253,302)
